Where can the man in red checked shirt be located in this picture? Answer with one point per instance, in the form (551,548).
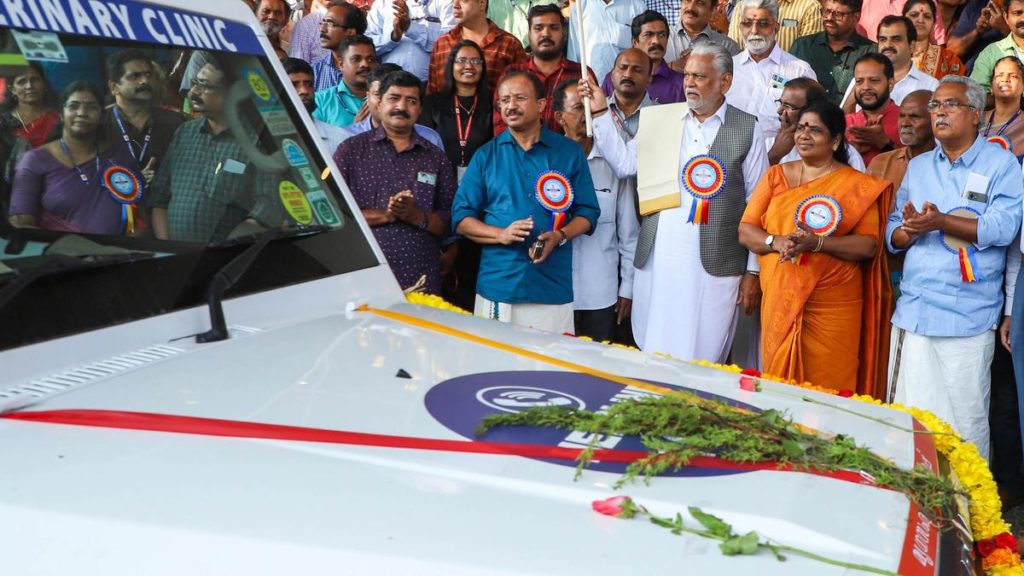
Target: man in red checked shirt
(875,127)
(548,34)
(499,47)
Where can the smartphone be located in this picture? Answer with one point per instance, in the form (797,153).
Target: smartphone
(536,250)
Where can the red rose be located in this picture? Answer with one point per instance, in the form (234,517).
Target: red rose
(618,506)
(986,547)
(1006,540)
(845,393)
(749,384)
(751,372)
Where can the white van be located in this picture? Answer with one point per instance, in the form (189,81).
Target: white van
(266,402)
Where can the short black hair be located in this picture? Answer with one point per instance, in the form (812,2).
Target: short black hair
(893,19)
(877,59)
(117,61)
(355,40)
(645,17)
(296,66)
(538,86)
(382,71)
(813,90)
(402,79)
(218,61)
(853,5)
(354,17)
(558,97)
(543,9)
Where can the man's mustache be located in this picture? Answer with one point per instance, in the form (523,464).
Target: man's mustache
(400,114)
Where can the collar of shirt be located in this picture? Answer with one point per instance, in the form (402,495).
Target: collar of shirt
(546,137)
(915,73)
(492,33)
(562,64)
(379,134)
(1008,46)
(855,41)
(664,70)
(775,56)
(720,114)
(344,89)
(708,32)
(968,157)
(645,102)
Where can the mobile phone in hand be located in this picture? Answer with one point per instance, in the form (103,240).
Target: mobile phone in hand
(536,250)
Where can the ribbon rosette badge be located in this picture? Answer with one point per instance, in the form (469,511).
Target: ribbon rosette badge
(820,213)
(964,250)
(126,189)
(703,177)
(555,194)
(1002,141)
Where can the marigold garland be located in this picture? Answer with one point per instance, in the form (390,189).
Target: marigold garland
(987,523)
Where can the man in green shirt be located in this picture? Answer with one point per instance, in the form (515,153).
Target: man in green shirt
(1012,45)
(510,16)
(832,53)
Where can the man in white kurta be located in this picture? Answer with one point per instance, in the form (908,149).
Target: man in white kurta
(761,70)
(678,307)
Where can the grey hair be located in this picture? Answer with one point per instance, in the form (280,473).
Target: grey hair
(772,6)
(975,93)
(720,55)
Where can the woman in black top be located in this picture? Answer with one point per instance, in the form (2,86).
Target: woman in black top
(461,114)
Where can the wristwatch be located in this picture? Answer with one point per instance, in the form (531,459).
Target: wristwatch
(769,240)
(424,223)
(565,237)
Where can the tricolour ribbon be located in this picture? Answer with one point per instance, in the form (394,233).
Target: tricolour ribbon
(968,265)
(554,192)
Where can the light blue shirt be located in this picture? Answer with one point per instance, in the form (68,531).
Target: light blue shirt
(337,105)
(430,19)
(428,133)
(934,300)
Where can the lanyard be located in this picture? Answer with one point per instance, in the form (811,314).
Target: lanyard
(463,135)
(128,140)
(81,175)
(992,117)
(345,105)
(621,122)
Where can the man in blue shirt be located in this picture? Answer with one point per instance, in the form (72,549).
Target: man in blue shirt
(526,269)
(956,212)
(340,104)
(371,110)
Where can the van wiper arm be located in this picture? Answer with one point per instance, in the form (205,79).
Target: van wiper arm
(230,273)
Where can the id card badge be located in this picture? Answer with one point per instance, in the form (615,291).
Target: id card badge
(460,171)
(777,82)
(789,23)
(428,178)
(976,188)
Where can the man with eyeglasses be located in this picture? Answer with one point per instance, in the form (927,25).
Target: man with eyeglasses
(797,95)
(405,31)
(304,42)
(499,47)
(761,71)
(692,274)
(833,52)
(1011,45)
(135,121)
(341,21)
(694,27)
(957,210)
(650,34)
(607,24)
(206,189)
(341,104)
(875,127)
(796,18)
(525,195)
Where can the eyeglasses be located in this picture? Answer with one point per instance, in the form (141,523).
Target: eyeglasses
(837,14)
(787,106)
(759,23)
(947,105)
(518,99)
(205,87)
(75,106)
(462,61)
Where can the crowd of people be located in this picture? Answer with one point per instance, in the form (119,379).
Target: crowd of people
(844,173)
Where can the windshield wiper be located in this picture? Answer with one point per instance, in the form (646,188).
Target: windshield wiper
(55,264)
(230,273)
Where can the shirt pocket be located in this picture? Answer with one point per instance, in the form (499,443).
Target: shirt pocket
(606,201)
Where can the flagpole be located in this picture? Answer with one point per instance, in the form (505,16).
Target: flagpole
(582,42)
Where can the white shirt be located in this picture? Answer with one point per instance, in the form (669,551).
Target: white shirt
(856,161)
(607,27)
(332,135)
(605,258)
(679,41)
(431,19)
(757,85)
(914,80)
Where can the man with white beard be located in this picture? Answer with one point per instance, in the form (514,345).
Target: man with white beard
(762,69)
(273,16)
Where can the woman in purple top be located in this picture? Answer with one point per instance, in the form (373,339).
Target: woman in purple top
(74,184)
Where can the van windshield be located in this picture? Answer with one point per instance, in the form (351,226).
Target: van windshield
(141,149)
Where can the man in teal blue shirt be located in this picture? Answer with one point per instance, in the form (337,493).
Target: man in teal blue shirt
(526,269)
(339,105)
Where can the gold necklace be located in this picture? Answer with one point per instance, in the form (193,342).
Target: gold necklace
(826,173)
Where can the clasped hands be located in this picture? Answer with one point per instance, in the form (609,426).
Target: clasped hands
(402,206)
(803,239)
(929,219)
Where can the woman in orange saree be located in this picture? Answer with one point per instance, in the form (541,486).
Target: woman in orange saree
(817,226)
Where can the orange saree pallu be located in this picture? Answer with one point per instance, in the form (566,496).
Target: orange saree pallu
(823,319)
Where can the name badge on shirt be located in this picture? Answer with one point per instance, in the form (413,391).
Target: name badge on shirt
(460,171)
(789,23)
(427,178)
(976,188)
(233,166)
(778,81)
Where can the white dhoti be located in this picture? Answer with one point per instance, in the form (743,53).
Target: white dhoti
(950,377)
(551,317)
(678,308)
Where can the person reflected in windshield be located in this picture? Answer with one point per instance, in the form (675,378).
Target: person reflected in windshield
(205,189)
(135,121)
(75,184)
(28,106)
(403,184)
